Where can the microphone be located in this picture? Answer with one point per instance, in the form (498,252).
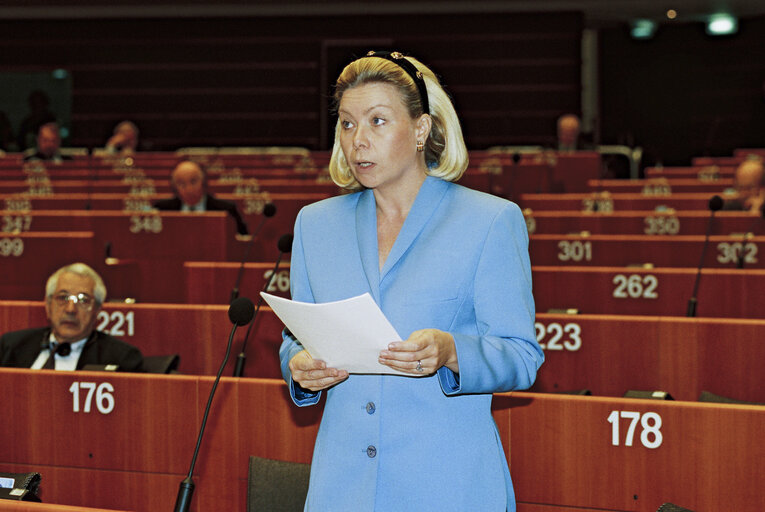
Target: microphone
(742,254)
(285,245)
(240,312)
(715,204)
(269,210)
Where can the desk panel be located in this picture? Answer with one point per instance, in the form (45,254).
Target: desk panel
(28,259)
(614,202)
(574,452)
(136,185)
(610,355)
(702,172)
(138,454)
(660,251)
(642,223)
(206,281)
(197,333)
(562,449)
(603,353)
(661,291)
(660,187)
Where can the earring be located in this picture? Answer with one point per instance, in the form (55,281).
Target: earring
(420,146)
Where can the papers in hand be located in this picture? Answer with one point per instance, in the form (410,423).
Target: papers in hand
(347,334)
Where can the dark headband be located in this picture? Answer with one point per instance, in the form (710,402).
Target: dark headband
(399,59)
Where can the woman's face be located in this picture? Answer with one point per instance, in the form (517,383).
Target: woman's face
(379,138)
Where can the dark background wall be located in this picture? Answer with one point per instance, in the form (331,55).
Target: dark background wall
(266,81)
(684,93)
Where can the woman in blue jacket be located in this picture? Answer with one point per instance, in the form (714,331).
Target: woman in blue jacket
(450,269)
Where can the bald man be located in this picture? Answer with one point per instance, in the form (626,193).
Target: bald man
(749,182)
(190,188)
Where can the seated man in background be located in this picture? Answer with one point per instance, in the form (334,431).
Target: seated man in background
(73,297)
(749,182)
(48,147)
(124,140)
(190,187)
(568,132)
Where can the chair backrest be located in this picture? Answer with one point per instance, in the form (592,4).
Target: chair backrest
(161,364)
(277,485)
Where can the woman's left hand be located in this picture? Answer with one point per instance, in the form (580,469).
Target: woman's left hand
(424,352)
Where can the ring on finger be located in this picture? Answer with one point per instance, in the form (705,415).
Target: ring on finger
(419,366)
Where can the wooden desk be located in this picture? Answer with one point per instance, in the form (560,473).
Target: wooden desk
(139,187)
(28,259)
(570,451)
(659,251)
(709,173)
(135,454)
(23,506)
(206,281)
(610,354)
(195,332)
(642,223)
(723,293)
(661,187)
(569,171)
(132,450)
(616,202)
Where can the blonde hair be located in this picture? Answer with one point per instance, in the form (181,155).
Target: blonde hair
(445,153)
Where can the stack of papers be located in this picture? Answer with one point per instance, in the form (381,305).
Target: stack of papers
(347,334)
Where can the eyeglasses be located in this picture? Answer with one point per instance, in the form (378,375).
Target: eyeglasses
(83,301)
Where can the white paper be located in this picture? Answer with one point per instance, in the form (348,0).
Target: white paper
(347,334)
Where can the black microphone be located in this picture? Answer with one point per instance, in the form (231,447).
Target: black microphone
(715,204)
(750,231)
(240,312)
(285,245)
(269,210)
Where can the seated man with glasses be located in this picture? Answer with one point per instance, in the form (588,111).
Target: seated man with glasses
(73,297)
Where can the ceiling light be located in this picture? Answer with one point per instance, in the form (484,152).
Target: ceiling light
(643,29)
(721,24)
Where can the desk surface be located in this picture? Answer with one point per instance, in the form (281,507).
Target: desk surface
(646,222)
(659,251)
(563,450)
(722,293)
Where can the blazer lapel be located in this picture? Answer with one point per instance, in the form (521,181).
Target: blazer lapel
(366,231)
(425,204)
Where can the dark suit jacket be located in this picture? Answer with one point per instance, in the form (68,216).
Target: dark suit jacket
(213,205)
(19,349)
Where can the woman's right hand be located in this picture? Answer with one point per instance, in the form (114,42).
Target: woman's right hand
(313,373)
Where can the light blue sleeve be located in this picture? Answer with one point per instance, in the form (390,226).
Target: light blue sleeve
(301,291)
(505,355)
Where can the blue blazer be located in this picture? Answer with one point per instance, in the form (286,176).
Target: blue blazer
(460,264)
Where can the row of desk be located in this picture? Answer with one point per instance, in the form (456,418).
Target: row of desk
(133,445)
(616,202)
(723,292)
(606,354)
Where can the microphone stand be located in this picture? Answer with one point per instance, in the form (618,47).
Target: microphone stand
(186,489)
(268,211)
(241,359)
(716,203)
